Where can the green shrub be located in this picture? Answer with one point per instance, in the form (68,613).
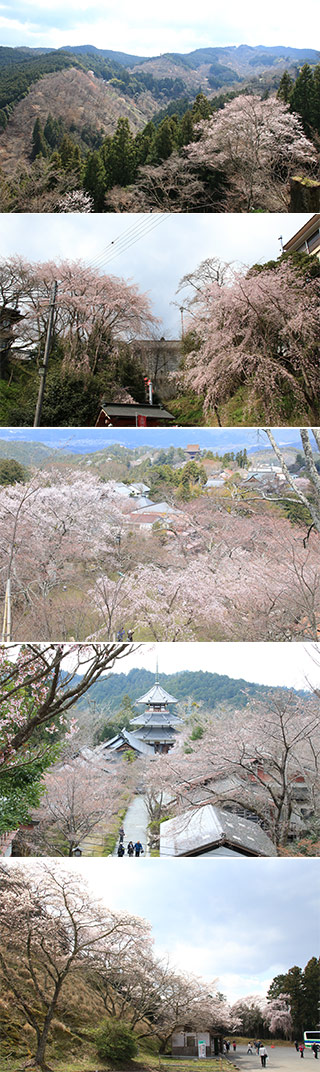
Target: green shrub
(116,1042)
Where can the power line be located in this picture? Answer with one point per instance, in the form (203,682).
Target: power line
(128,238)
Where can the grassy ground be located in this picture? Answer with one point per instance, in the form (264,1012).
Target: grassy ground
(144,1063)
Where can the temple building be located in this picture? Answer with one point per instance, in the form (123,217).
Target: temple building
(156,723)
(154,728)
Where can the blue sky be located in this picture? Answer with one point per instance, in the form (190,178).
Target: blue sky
(155,252)
(85,440)
(243,921)
(146,30)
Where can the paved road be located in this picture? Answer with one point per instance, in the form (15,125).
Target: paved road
(280,1059)
(135,825)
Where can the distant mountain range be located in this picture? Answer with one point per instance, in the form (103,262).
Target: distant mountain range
(34,453)
(242,57)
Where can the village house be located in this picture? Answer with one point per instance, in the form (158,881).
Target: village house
(194,1043)
(307,239)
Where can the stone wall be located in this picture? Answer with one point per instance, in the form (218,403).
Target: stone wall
(304,194)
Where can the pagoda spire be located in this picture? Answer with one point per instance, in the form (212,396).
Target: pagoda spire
(157,671)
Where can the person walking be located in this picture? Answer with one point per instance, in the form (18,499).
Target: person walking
(297,1045)
(121,834)
(249,1047)
(263,1056)
(120,849)
(301,1049)
(234,1046)
(130,848)
(315,1050)
(138,848)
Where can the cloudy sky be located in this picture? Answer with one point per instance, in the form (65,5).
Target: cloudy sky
(146,30)
(292,665)
(153,251)
(241,921)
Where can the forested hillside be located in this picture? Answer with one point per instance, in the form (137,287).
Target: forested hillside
(200,687)
(124,131)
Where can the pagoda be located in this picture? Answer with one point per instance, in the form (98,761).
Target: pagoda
(156,723)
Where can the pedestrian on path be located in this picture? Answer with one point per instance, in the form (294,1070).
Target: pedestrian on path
(249,1047)
(263,1056)
(130,848)
(301,1049)
(315,1050)
(120,849)
(234,1046)
(297,1046)
(138,848)
(121,834)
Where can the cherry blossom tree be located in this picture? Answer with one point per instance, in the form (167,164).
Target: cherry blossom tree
(50,929)
(262,760)
(260,331)
(79,795)
(172,186)
(38,688)
(46,525)
(277,1015)
(88,305)
(258,144)
(312,500)
(249,1010)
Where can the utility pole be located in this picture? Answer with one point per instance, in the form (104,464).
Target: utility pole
(6,627)
(43,369)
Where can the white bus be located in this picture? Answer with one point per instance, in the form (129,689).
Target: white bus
(311,1037)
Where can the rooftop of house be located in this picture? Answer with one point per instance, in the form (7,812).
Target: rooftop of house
(207,828)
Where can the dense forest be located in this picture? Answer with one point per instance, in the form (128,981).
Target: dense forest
(18,71)
(196,686)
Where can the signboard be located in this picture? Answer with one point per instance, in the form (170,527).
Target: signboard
(202,1049)
(142,421)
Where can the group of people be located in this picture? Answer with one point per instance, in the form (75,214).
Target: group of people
(133,849)
(260,1050)
(122,633)
(300,1048)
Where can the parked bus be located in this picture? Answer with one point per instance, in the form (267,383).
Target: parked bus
(311,1037)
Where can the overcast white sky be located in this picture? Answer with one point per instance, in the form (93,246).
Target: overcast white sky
(243,921)
(153,251)
(148,30)
(292,665)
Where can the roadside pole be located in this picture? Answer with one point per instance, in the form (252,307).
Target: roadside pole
(43,369)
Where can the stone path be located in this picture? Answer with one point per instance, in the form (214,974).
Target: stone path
(135,825)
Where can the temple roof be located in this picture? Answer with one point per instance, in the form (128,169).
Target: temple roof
(202,830)
(156,718)
(156,695)
(157,733)
(131,739)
